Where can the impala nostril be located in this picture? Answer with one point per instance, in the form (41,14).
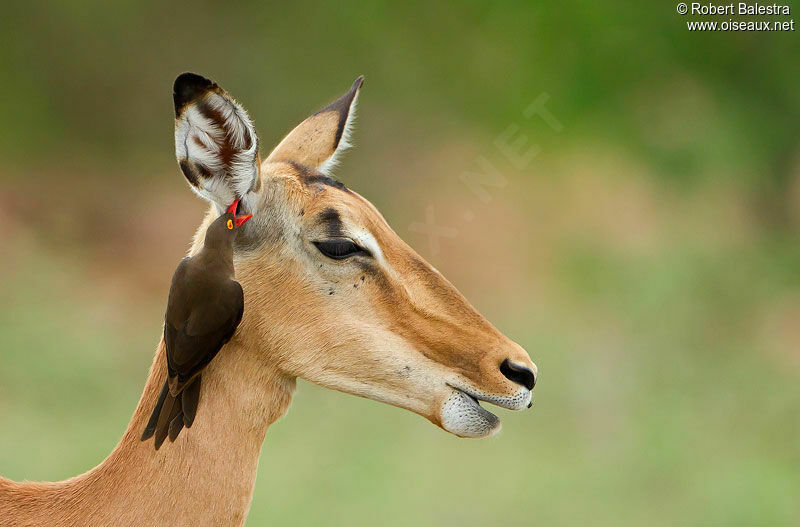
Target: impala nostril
(518,373)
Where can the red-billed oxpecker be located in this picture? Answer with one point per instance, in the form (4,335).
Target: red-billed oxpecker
(204,308)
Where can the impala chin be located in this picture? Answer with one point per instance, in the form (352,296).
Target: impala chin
(462,414)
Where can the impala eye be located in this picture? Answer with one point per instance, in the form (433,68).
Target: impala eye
(339,248)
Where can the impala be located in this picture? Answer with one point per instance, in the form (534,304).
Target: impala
(332,295)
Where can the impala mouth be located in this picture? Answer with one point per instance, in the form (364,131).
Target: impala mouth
(463,415)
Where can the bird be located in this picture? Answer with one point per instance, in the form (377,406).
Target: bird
(204,308)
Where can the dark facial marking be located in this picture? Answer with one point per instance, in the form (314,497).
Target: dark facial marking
(332,222)
(309,177)
(377,277)
(320,179)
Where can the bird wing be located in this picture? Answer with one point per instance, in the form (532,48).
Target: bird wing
(209,325)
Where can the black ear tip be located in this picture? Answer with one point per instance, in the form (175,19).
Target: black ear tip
(358,83)
(189,86)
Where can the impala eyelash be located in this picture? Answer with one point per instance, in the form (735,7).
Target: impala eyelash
(335,249)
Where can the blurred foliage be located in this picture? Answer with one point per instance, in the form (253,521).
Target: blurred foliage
(648,258)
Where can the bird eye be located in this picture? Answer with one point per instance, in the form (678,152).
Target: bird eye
(339,248)
(230,224)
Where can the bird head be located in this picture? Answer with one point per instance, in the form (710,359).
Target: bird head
(222,231)
(234,222)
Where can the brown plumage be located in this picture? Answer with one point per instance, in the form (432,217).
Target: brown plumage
(204,308)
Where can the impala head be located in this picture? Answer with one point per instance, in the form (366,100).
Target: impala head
(333,295)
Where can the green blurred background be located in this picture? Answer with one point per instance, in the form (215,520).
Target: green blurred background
(646,252)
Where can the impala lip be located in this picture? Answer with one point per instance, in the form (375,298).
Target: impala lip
(523,399)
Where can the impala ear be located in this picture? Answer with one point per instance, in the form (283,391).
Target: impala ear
(318,141)
(215,141)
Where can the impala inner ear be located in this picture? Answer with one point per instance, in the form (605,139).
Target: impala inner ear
(215,141)
(318,141)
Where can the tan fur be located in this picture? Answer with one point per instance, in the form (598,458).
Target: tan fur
(301,147)
(390,328)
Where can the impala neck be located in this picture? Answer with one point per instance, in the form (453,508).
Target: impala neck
(206,476)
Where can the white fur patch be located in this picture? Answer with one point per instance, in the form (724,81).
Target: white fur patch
(201,140)
(464,417)
(368,241)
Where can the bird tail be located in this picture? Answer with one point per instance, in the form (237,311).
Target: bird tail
(173,412)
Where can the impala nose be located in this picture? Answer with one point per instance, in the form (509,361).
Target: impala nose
(518,373)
